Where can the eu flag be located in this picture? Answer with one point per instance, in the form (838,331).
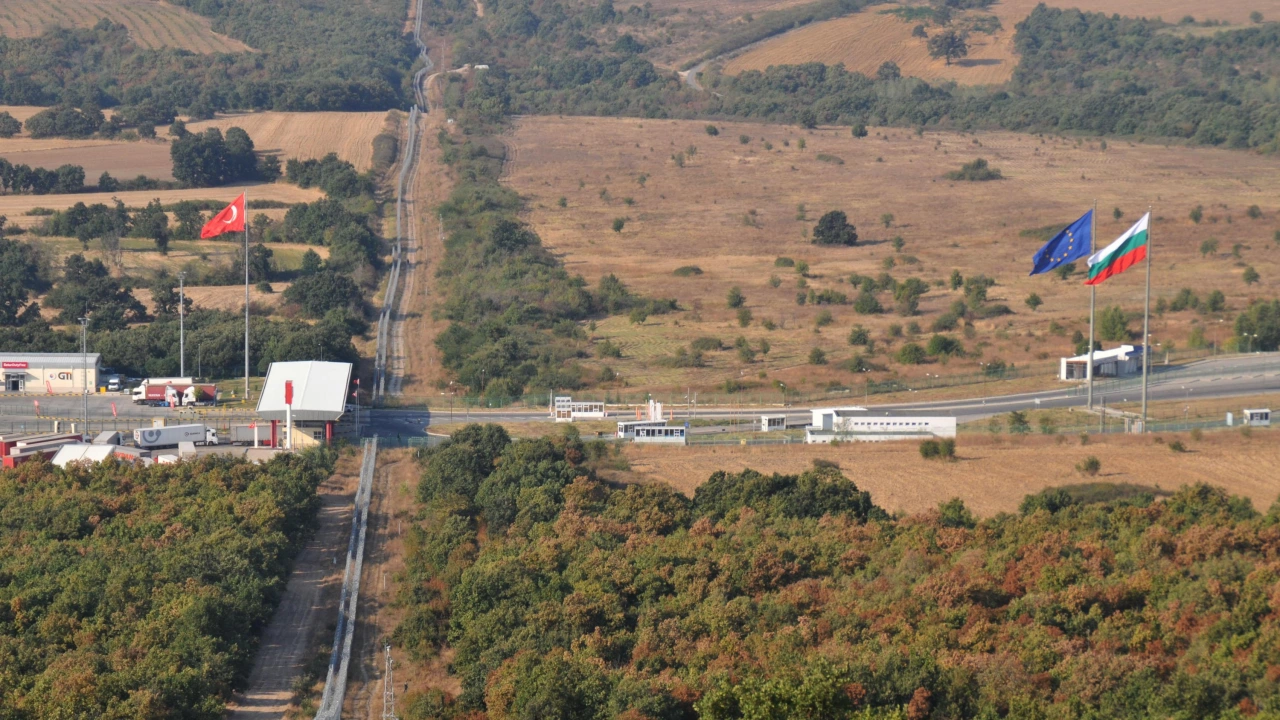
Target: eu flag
(1067,246)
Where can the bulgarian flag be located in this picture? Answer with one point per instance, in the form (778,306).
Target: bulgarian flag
(1128,250)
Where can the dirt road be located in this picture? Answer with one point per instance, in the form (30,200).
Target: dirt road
(304,620)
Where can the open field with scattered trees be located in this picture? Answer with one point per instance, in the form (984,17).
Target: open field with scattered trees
(309,136)
(705,214)
(151,24)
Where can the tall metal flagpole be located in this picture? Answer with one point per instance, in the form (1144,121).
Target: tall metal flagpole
(1093,296)
(1146,326)
(246,299)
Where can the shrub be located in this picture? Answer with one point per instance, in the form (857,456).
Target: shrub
(774,281)
(824,319)
(606,349)
(706,344)
(1197,434)
(784,262)
(1033,301)
(859,335)
(744,317)
(834,228)
(1254,212)
(1250,276)
(687,271)
(938,449)
(1177,446)
(817,357)
(867,304)
(1090,466)
(910,354)
(619,224)
(1197,214)
(943,345)
(735,297)
(712,130)
(1018,424)
(976,171)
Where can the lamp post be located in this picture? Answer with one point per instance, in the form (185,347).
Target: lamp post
(182,325)
(84,367)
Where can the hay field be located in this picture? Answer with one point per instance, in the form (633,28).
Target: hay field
(991,475)
(865,40)
(151,24)
(307,136)
(702,215)
(13,205)
(124,160)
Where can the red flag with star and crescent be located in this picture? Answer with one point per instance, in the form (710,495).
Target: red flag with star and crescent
(231,219)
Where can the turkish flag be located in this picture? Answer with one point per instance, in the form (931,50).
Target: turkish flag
(231,219)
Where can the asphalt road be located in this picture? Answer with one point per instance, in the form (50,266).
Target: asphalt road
(1213,378)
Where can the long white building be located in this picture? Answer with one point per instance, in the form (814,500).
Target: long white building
(857,424)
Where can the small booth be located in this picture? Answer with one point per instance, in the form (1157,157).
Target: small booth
(310,395)
(771,423)
(1257,417)
(1116,362)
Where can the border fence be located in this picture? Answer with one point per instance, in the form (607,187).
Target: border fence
(335,682)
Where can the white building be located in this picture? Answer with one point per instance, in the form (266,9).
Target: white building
(669,434)
(1116,362)
(770,423)
(49,372)
(856,424)
(1256,417)
(320,391)
(564,409)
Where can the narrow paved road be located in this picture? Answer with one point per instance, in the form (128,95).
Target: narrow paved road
(310,600)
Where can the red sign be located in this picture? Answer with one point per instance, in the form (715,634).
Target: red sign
(113,410)
(7,365)
(288,392)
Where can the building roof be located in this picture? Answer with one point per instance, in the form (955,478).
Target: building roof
(320,390)
(1118,353)
(50,358)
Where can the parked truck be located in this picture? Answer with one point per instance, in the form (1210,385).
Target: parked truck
(179,394)
(149,438)
(245,435)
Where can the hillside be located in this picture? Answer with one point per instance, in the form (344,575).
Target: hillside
(152,25)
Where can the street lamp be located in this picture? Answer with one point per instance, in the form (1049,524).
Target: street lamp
(182,325)
(84,368)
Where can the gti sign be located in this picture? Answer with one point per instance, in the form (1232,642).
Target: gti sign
(8,365)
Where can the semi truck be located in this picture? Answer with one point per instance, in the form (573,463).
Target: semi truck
(169,391)
(149,438)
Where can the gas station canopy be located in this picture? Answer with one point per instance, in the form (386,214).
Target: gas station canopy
(320,390)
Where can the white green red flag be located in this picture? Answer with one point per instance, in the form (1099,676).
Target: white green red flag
(1128,250)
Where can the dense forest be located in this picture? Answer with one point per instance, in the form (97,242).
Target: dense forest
(794,596)
(132,592)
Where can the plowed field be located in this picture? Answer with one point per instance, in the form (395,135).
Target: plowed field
(307,135)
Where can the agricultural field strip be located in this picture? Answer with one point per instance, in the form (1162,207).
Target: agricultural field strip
(152,25)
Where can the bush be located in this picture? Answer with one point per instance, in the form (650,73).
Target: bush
(712,130)
(784,262)
(938,449)
(976,171)
(735,298)
(687,271)
(1177,446)
(1090,466)
(606,349)
(859,335)
(834,228)
(910,354)
(744,317)
(817,357)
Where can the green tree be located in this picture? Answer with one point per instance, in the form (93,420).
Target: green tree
(1208,247)
(948,44)
(1033,301)
(1018,424)
(619,224)
(817,356)
(1117,213)
(911,354)
(190,220)
(956,280)
(1113,325)
(9,126)
(1197,213)
(887,220)
(834,228)
(324,291)
(1250,276)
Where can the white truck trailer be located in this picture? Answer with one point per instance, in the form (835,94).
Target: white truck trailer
(149,438)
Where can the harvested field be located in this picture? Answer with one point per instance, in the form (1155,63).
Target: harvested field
(124,160)
(226,297)
(865,40)
(733,208)
(151,24)
(991,475)
(12,205)
(307,136)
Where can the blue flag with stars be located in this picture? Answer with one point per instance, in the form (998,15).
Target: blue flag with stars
(1067,246)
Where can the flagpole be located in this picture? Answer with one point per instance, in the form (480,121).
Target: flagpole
(1146,321)
(1093,296)
(246,298)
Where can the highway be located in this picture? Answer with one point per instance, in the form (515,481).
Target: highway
(1206,379)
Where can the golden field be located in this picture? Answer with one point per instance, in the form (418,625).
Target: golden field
(151,24)
(307,136)
(733,208)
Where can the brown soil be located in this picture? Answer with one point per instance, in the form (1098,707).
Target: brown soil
(303,623)
(733,209)
(124,160)
(992,475)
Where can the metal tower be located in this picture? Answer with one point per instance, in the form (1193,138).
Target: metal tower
(388,690)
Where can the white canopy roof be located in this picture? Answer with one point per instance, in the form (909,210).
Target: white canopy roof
(320,390)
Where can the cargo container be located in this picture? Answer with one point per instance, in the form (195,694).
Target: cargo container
(174,434)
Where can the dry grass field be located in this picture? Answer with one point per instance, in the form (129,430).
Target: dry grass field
(151,24)
(13,205)
(123,160)
(307,136)
(992,475)
(865,40)
(733,208)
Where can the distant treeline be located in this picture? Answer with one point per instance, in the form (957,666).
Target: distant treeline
(1078,72)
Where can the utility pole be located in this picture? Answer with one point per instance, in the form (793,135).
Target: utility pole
(84,367)
(182,325)
(388,689)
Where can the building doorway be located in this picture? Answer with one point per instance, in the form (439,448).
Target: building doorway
(14,382)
